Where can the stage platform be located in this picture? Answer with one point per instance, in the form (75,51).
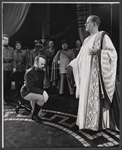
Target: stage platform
(58,128)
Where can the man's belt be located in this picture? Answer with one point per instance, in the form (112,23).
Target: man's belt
(7,60)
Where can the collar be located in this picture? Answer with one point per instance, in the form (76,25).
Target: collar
(51,49)
(77,48)
(36,69)
(65,50)
(37,50)
(34,50)
(18,51)
(8,47)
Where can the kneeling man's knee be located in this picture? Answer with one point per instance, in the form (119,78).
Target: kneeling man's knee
(40,102)
(46,96)
(43,99)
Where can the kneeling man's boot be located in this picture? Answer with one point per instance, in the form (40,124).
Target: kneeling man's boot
(35,116)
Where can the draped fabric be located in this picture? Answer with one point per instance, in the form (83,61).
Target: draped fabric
(13,17)
(110,98)
(88,85)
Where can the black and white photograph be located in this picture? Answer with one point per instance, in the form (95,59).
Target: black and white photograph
(60,74)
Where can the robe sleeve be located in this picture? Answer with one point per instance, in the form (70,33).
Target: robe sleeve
(108,65)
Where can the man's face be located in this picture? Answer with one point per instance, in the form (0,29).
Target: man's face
(43,40)
(64,46)
(5,41)
(41,63)
(89,25)
(18,46)
(38,45)
(51,44)
(78,43)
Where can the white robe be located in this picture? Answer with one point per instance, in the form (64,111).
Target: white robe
(82,73)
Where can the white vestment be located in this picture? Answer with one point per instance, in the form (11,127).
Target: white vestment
(86,71)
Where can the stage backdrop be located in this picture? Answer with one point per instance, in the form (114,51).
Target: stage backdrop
(31,29)
(62,21)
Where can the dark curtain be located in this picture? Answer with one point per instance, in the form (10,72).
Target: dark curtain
(13,17)
(63,24)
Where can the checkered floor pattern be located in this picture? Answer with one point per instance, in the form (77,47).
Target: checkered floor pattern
(67,123)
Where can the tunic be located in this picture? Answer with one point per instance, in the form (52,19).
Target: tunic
(20,60)
(33,82)
(49,56)
(8,55)
(64,60)
(76,51)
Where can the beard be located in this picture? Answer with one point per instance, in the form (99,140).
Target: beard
(39,69)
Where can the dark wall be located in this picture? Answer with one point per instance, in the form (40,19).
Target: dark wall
(109,15)
(115,26)
(104,12)
(31,28)
(61,17)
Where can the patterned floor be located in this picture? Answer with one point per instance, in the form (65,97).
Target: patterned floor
(67,123)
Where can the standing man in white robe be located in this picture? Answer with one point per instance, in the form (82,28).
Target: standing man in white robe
(94,72)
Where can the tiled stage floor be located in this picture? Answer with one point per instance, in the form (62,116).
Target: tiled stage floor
(58,128)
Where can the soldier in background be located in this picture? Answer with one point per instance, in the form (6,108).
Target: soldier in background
(8,58)
(38,50)
(77,48)
(60,72)
(20,66)
(49,54)
(28,50)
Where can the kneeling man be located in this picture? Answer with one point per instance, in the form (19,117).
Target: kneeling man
(32,89)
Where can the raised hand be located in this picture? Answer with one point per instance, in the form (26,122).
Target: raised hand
(92,51)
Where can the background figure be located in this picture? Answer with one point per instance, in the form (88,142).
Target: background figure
(20,66)
(60,62)
(38,50)
(27,55)
(32,90)
(77,48)
(94,72)
(44,43)
(49,54)
(8,55)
